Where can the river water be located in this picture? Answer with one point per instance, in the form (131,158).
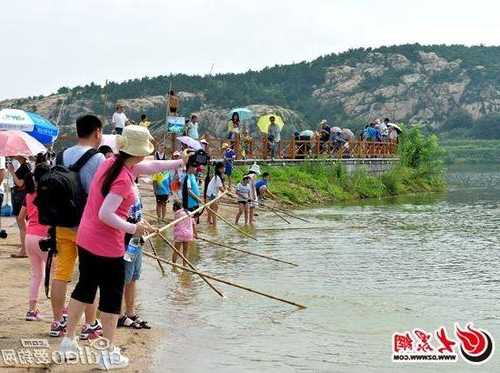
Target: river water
(367,271)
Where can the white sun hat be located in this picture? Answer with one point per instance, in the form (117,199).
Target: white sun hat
(254,168)
(136,141)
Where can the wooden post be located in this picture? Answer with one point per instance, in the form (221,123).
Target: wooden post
(173,136)
(237,148)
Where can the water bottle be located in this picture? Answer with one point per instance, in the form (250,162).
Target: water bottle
(132,249)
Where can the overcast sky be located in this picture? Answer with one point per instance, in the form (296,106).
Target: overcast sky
(46,44)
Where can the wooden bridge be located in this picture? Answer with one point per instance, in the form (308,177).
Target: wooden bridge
(288,149)
(295,149)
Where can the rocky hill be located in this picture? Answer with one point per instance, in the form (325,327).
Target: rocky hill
(446,87)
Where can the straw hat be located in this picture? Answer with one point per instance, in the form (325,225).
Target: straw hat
(136,141)
(225,145)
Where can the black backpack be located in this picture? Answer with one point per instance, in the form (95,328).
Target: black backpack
(61,197)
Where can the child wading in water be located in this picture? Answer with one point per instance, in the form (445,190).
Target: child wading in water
(184,231)
(133,268)
(35,232)
(161,187)
(243,195)
(213,187)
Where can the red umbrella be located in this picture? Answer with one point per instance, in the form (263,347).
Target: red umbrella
(14,143)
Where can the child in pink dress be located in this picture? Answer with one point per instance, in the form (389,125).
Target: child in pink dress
(184,232)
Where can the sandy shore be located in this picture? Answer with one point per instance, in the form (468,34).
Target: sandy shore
(138,345)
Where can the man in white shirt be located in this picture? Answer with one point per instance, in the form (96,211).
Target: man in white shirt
(192,128)
(89,131)
(119,120)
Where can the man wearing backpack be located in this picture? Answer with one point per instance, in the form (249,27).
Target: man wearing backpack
(89,131)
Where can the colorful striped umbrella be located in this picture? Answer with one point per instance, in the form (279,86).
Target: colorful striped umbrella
(32,123)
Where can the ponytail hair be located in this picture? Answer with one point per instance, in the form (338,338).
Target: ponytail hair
(113,172)
(207,181)
(29,183)
(185,191)
(218,172)
(40,170)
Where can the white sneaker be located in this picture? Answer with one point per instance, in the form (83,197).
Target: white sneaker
(112,359)
(69,348)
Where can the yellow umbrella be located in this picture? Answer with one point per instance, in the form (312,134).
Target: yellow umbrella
(264,122)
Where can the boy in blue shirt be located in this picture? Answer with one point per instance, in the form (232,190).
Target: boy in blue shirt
(229,156)
(261,185)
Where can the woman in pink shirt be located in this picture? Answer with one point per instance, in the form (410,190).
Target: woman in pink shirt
(35,232)
(100,238)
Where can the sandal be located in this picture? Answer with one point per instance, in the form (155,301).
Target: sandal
(127,322)
(137,320)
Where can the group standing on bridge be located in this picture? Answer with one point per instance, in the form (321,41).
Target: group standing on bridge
(266,139)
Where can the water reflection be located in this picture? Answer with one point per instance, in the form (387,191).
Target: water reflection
(366,271)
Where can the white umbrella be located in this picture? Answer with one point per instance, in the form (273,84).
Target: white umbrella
(395,126)
(191,143)
(347,134)
(110,140)
(14,119)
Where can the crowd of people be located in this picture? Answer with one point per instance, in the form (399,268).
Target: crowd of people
(333,139)
(106,238)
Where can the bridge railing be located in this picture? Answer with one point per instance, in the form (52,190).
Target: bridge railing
(287,149)
(300,149)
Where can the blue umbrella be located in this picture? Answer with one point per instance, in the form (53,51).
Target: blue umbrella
(35,125)
(44,130)
(243,112)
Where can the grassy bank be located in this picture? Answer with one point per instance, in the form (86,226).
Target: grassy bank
(471,151)
(420,170)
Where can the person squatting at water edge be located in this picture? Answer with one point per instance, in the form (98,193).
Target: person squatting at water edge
(101,236)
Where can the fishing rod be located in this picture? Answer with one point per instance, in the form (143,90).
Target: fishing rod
(224,281)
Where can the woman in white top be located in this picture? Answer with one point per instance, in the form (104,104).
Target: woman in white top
(212,190)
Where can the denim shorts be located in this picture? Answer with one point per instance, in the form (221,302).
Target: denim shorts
(133,269)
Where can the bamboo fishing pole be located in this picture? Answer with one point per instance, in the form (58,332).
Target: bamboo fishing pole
(223,218)
(280,199)
(294,228)
(283,211)
(272,210)
(189,264)
(164,228)
(156,254)
(276,213)
(246,251)
(226,281)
